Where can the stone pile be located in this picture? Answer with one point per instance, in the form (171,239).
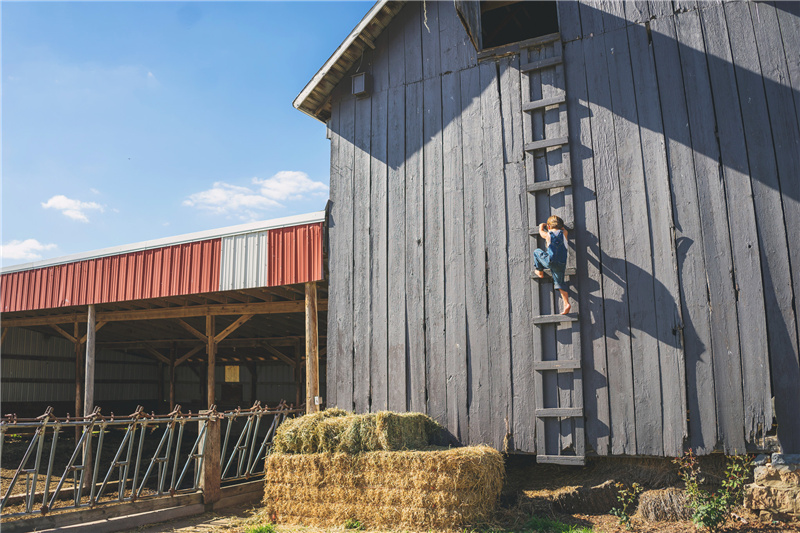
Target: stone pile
(776,487)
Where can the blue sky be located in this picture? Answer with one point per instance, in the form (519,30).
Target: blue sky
(129,121)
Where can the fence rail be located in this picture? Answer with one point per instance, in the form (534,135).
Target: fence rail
(152,455)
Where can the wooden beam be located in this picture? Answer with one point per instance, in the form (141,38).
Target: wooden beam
(88,391)
(277,353)
(156,354)
(172,365)
(78,379)
(211,351)
(312,349)
(96,329)
(233,327)
(255,308)
(191,352)
(192,330)
(64,334)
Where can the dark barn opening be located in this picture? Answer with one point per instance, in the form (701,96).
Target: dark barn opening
(510,22)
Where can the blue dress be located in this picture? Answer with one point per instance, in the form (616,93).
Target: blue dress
(555,258)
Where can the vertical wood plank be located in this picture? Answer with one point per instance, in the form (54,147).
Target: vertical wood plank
(638,255)
(725,354)
(362,274)
(569,20)
(781,319)
(519,266)
(614,275)
(781,100)
(478,355)
(665,267)
(689,239)
(397,250)
(431,48)
(415,260)
(378,236)
(494,192)
(454,267)
(411,22)
(436,368)
(587,248)
(344,254)
(335,295)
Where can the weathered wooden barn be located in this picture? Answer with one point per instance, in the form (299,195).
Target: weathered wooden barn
(664,133)
(224,317)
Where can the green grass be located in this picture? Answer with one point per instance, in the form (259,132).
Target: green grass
(352,523)
(547,525)
(266,528)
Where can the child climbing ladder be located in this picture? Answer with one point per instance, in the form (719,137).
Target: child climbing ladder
(555,257)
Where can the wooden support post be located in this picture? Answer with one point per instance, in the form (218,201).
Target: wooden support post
(78,379)
(298,380)
(88,391)
(312,349)
(253,382)
(3,336)
(211,350)
(211,475)
(172,355)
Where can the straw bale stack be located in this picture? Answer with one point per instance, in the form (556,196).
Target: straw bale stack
(335,430)
(417,490)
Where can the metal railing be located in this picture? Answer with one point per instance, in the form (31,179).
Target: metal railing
(152,455)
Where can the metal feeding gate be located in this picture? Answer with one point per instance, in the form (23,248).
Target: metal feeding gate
(153,455)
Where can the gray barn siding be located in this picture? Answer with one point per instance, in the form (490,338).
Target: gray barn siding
(684,153)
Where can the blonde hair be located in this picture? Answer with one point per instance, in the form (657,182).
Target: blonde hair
(555,222)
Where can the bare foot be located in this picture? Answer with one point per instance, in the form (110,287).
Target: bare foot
(567,309)
(539,273)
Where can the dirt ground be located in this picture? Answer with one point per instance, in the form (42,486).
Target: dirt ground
(568,495)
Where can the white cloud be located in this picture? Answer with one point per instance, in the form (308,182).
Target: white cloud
(73,209)
(94,191)
(27,249)
(246,202)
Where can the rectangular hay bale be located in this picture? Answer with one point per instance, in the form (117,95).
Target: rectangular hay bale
(442,489)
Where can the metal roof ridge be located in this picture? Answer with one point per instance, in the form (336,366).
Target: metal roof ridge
(250,227)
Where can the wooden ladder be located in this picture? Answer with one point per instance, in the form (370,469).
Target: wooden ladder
(558,377)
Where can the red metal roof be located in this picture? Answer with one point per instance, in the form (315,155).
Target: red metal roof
(295,254)
(169,271)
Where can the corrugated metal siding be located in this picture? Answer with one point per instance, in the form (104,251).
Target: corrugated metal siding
(244,261)
(295,254)
(170,271)
(22,342)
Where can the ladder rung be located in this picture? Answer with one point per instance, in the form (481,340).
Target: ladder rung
(559,412)
(539,41)
(549,184)
(545,102)
(546,143)
(554,319)
(561,366)
(562,459)
(542,63)
(569,271)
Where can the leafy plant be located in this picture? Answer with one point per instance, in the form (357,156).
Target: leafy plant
(627,498)
(711,509)
(266,528)
(352,523)
(548,525)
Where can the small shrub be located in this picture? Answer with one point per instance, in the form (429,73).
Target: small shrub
(266,528)
(548,525)
(627,499)
(352,523)
(711,509)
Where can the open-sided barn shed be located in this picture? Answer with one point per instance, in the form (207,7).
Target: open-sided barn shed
(666,134)
(223,317)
